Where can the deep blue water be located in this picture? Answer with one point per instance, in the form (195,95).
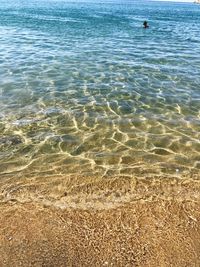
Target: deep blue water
(85,89)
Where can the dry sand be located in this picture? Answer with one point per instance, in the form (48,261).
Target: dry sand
(157,226)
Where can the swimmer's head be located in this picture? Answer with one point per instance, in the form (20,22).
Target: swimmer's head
(145,24)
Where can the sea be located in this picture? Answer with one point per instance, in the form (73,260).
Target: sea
(86,91)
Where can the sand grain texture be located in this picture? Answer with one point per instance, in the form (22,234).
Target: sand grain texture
(143,233)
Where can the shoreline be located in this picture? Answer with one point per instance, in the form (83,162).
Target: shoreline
(93,192)
(161,228)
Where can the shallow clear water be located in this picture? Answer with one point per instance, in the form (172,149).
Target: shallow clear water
(85,90)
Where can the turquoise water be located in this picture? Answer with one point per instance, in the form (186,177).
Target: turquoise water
(85,90)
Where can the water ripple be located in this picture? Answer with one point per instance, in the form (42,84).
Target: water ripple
(85,90)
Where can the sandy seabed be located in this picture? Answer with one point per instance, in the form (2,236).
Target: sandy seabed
(154,223)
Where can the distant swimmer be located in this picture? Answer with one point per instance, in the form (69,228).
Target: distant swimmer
(145,24)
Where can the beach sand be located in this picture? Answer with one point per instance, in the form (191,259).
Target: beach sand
(153,223)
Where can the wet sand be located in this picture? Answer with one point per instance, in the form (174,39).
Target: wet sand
(159,228)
